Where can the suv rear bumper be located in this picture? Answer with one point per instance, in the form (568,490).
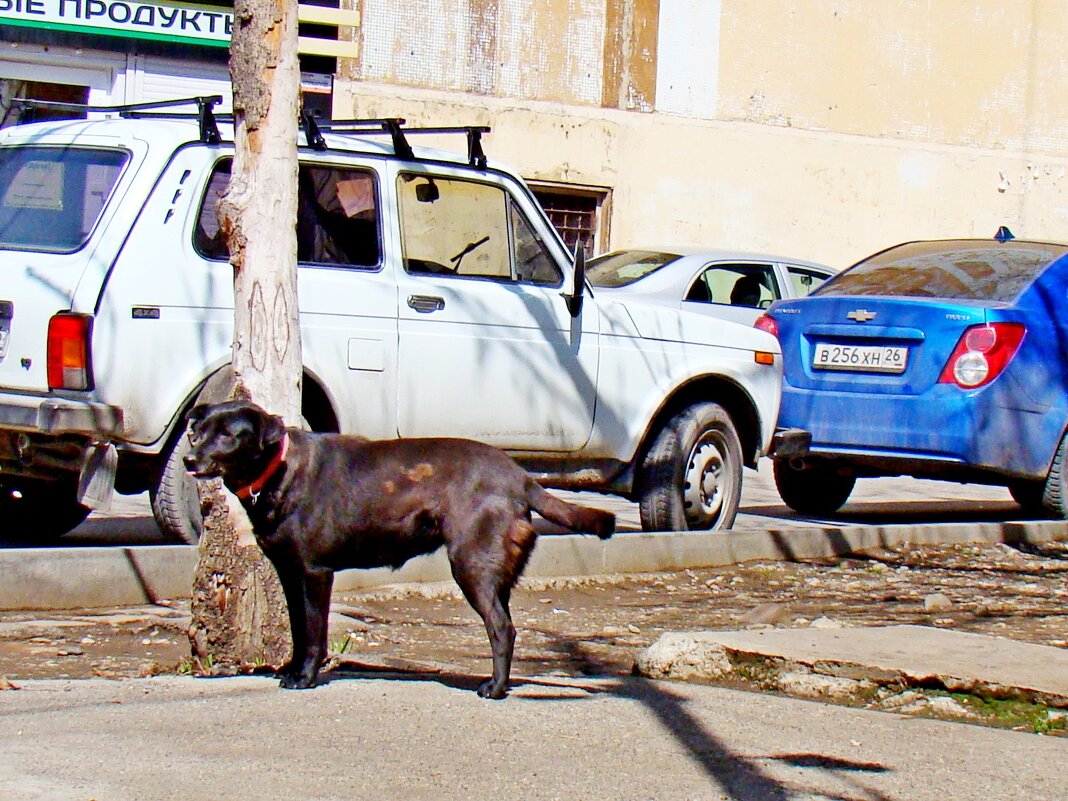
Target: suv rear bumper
(60,416)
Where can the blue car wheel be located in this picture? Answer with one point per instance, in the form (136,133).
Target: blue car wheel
(1055,497)
(813,488)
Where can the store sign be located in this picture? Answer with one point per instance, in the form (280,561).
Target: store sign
(204,25)
(172,22)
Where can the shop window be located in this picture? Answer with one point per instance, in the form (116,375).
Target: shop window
(38,90)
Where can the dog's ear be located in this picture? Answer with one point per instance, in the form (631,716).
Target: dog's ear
(198,413)
(272,429)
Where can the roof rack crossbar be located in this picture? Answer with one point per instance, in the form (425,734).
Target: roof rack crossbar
(311,131)
(475,154)
(209,130)
(55,105)
(360,124)
(401,148)
(396,128)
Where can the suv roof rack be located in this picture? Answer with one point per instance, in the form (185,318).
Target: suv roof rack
(209,129)
(395,127)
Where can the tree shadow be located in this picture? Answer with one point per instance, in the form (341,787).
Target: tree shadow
(738,778)
(741,778)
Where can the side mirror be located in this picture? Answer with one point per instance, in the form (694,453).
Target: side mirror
(578,285)
(428,192)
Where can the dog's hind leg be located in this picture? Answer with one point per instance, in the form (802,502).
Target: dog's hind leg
(491,603)
(486,569)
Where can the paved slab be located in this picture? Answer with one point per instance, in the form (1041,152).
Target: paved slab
(890,655)
(175,739)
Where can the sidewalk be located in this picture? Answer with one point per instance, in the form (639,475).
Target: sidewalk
(628,739)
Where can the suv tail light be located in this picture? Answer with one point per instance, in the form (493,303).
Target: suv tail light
(766,322)
(982,353)
(68,351)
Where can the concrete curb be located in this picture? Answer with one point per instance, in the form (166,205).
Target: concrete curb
(58,578)
(851,660)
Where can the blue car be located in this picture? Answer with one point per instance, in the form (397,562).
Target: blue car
(940,359)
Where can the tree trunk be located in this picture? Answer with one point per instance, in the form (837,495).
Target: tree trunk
(239,612)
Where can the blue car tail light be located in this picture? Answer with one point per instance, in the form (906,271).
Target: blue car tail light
(982,354)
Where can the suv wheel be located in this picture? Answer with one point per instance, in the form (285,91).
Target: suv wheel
(815,489)
(175,498)
(691,479)
(32,510)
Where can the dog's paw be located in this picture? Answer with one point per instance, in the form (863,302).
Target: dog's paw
(490,689)
(295,680)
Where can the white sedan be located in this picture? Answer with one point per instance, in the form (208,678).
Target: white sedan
(727,284)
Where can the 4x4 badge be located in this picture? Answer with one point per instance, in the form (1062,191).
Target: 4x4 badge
(861,315)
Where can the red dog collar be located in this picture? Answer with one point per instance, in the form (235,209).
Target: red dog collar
(252,491)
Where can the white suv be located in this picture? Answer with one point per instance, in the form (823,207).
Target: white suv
(436,299)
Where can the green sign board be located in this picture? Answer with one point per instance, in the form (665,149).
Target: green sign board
(171,22)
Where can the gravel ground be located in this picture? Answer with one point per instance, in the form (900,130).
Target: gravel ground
(595,626)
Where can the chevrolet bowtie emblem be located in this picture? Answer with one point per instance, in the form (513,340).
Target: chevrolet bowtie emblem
(861,315)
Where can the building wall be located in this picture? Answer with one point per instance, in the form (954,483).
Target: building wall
(825,129)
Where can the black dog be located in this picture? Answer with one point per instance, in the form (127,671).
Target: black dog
(325,502)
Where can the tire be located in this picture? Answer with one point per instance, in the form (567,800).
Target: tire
(1029,494)
(175,498)
(691,478)
(38,510)
(814,489)
(1055,490)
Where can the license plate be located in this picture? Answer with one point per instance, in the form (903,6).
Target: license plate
(860,358)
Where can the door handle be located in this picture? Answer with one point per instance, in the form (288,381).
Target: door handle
(426,303)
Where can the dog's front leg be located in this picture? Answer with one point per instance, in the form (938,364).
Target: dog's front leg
(291,576)
(309,613)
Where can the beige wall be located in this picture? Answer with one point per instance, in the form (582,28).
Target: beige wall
(990,73)
(826,129)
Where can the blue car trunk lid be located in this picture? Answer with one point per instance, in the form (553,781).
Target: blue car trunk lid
(873,344)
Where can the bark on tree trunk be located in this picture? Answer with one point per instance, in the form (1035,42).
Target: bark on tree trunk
(239,613)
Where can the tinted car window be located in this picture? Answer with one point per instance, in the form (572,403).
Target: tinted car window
(962,270)
(337,216)
(626,267)
(51,197)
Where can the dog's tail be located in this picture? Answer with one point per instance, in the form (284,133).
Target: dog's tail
(570,515)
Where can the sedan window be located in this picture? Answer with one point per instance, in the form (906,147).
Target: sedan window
(804,281)
(749,285)
(626,266)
